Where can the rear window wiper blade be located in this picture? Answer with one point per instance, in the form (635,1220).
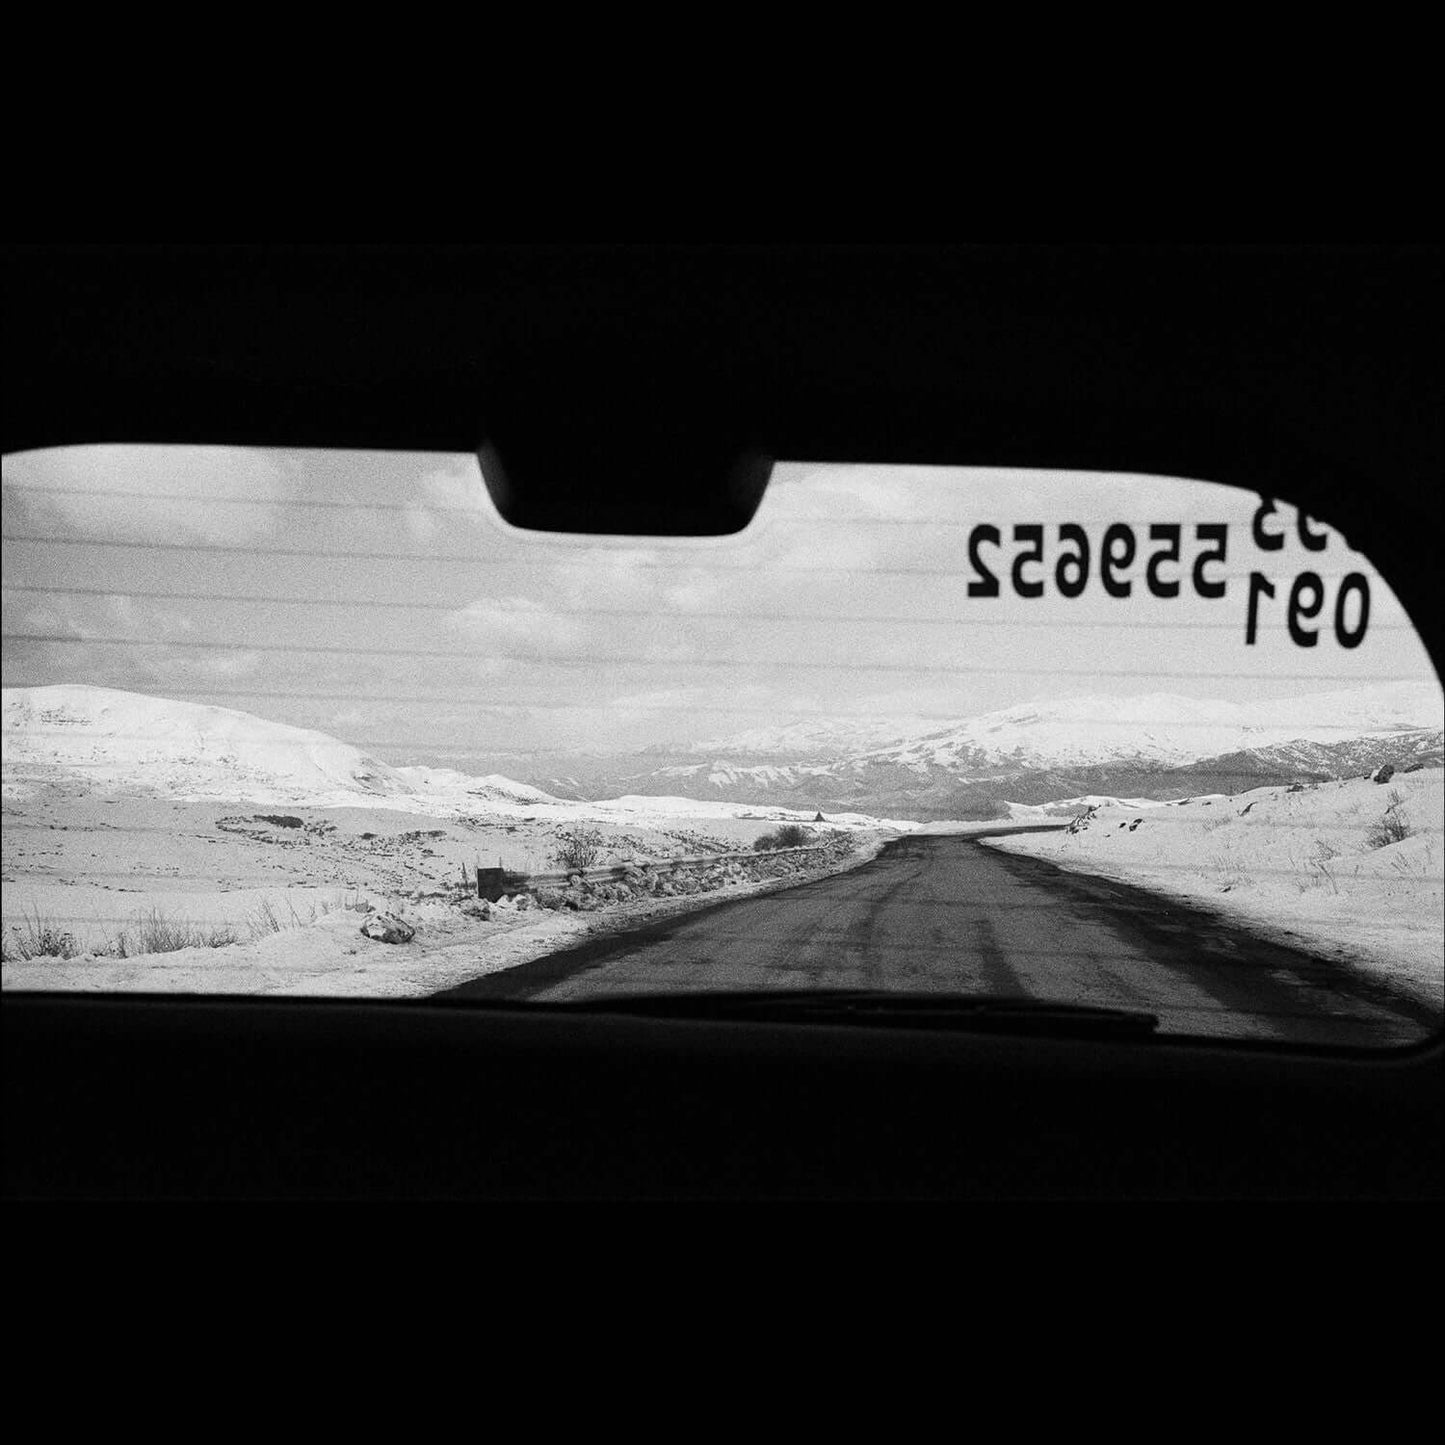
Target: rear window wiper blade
(881,1007)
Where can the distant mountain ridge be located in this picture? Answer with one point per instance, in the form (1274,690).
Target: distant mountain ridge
(816,738)
(937,793)
(1158,745)
(1163,727)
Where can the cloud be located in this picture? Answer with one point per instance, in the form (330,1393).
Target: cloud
(517,622)
(221,666)
(141,493)
(852,549)
(866,491)
(447,496)
(605,577)
(700,698)
(51,622)
(112,615)
(117,640)
(611,604)
(667,697)
(650,581)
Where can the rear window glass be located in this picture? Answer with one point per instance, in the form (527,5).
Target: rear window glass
(321,723)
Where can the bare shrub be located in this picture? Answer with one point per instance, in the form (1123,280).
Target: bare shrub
(266,919)
(37,937)
(150,932)
(1319,865)
(792,835)
(153,932)
(1393,827)
(578,850)
(1231,874)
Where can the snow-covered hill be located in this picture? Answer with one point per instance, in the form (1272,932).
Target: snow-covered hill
(492,788)
(125,739)
(193,751)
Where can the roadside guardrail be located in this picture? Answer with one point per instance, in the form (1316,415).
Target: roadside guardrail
(493,883)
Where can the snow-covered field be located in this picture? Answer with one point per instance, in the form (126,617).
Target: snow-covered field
(1314,867)
(319,902)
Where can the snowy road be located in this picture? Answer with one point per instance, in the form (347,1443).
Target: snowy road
(943,914)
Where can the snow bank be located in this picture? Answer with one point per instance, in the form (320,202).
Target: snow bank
(1309,866)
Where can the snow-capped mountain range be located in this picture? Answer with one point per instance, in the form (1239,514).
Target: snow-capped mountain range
(1159,745)
(106,740)
(1157,727)
(816,738)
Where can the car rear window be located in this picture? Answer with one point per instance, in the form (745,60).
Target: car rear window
(320,723)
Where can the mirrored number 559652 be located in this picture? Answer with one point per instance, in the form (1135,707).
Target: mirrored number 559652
(1116,555)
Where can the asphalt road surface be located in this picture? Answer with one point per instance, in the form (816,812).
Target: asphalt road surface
(944,914)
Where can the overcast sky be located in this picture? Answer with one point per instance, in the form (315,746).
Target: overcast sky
(378,597)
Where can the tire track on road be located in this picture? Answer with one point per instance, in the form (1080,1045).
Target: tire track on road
(941,914)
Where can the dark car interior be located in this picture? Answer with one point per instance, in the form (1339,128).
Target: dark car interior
(642,390)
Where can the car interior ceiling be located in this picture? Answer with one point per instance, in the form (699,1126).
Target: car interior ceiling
(640,391)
